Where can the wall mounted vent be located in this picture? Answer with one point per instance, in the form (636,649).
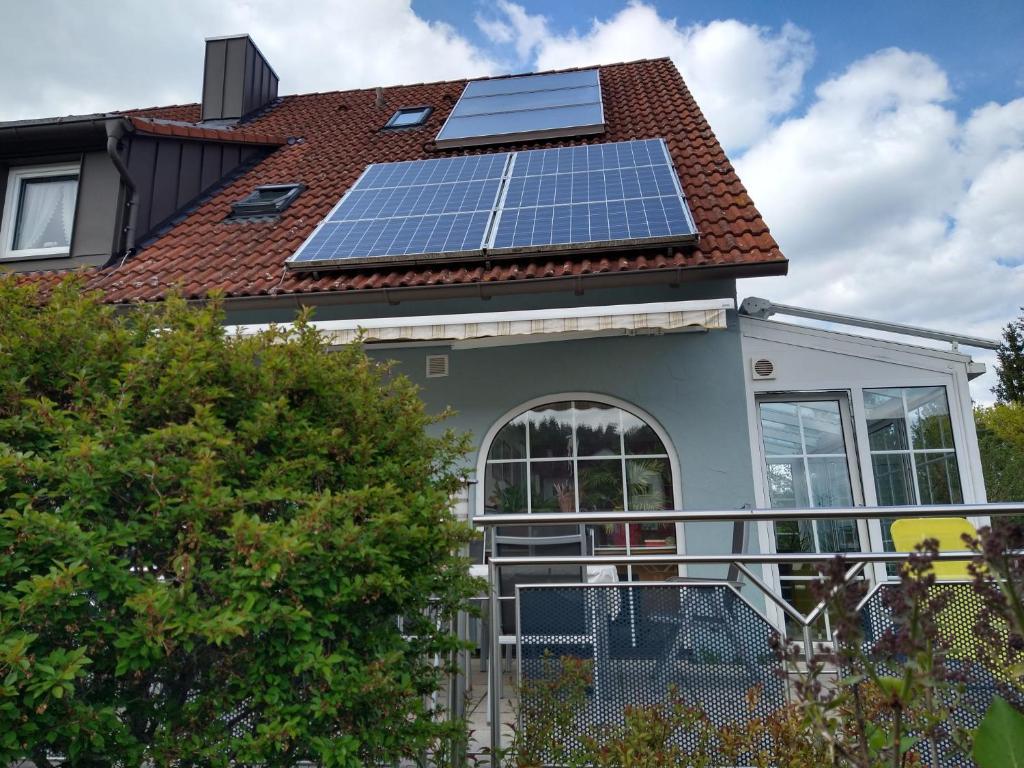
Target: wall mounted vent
(437,366)
(762,368)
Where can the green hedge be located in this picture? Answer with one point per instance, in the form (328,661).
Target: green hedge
(205,541)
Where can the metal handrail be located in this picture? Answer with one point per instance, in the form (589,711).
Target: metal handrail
(756,515)
(774,558)
(856,560)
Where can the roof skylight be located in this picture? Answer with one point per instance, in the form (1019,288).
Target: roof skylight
(266,200)
(409,117)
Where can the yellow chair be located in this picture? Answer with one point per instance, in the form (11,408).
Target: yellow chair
(908,533)
(957,619)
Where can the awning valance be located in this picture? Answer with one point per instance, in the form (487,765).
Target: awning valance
(516,326)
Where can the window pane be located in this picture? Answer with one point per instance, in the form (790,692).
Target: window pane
(46,213)
(830,482)
(609,536)
(823,427)
(510,442)
(787,484)
(838,536)
(800,595)
(505,488)
(894,479)
(597,430)
(794,536)
(552,488)
(551,431)
(639,438)
(887,427)
(648,484)
(780,425)
(938,478)
(408,117)
(600,485)
(930,426)
(648,536)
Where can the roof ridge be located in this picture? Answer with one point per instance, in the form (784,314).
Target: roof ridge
(370,89)
(457,81)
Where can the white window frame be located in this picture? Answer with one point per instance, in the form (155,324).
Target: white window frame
(537,402)
(12,200)
(766,530)
(817,360)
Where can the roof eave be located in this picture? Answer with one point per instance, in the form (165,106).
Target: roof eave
(485,290)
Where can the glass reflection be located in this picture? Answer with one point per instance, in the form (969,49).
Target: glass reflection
(551,431)
(587,456)
(552,486)
(597,430)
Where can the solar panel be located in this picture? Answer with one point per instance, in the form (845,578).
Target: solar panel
(525,107)
(399,211)
(580,198)
(590,196)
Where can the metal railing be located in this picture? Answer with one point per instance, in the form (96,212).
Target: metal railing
(742,561)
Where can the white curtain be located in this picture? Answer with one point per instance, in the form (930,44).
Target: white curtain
(41,203)
(68,194)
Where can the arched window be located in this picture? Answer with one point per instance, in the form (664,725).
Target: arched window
(581,455)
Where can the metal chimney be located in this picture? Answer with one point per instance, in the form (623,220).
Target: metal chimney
(237,80)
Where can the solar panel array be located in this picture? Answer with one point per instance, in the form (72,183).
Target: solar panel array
(396,211)
(599,193)
(525,107)
(583,197)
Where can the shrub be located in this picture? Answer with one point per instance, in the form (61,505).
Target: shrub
(207,542)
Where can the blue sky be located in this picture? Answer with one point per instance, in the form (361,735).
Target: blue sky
(882,141)
(978,42)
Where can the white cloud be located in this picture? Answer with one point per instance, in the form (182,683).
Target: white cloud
(140,54)
(888,206)
(743,76)
(514,25)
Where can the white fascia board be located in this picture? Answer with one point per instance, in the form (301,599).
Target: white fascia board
(826,340)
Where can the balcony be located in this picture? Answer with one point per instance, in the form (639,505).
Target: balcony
(711,640)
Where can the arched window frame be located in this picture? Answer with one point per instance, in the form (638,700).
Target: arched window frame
(537,402)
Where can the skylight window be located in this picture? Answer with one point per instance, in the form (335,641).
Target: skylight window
(408,117)
(266,200)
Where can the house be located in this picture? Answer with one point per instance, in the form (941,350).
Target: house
(554,256)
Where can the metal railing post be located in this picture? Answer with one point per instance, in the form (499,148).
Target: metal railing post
(494,664)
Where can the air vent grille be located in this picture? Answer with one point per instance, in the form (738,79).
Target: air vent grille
(437,366)
(762,368)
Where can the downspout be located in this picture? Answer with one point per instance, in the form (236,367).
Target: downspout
(115,132)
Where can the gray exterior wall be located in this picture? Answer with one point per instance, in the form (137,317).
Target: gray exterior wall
(171,173)
(96,210)
(691,384)
(100,202)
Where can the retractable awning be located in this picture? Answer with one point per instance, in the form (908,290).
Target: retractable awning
(524,326)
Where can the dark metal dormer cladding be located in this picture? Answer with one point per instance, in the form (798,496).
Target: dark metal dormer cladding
(237,79)
(89,189)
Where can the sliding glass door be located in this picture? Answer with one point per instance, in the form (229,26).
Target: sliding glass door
(807,445)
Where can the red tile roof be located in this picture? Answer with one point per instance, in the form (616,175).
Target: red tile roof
(187,130)
(339,134)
